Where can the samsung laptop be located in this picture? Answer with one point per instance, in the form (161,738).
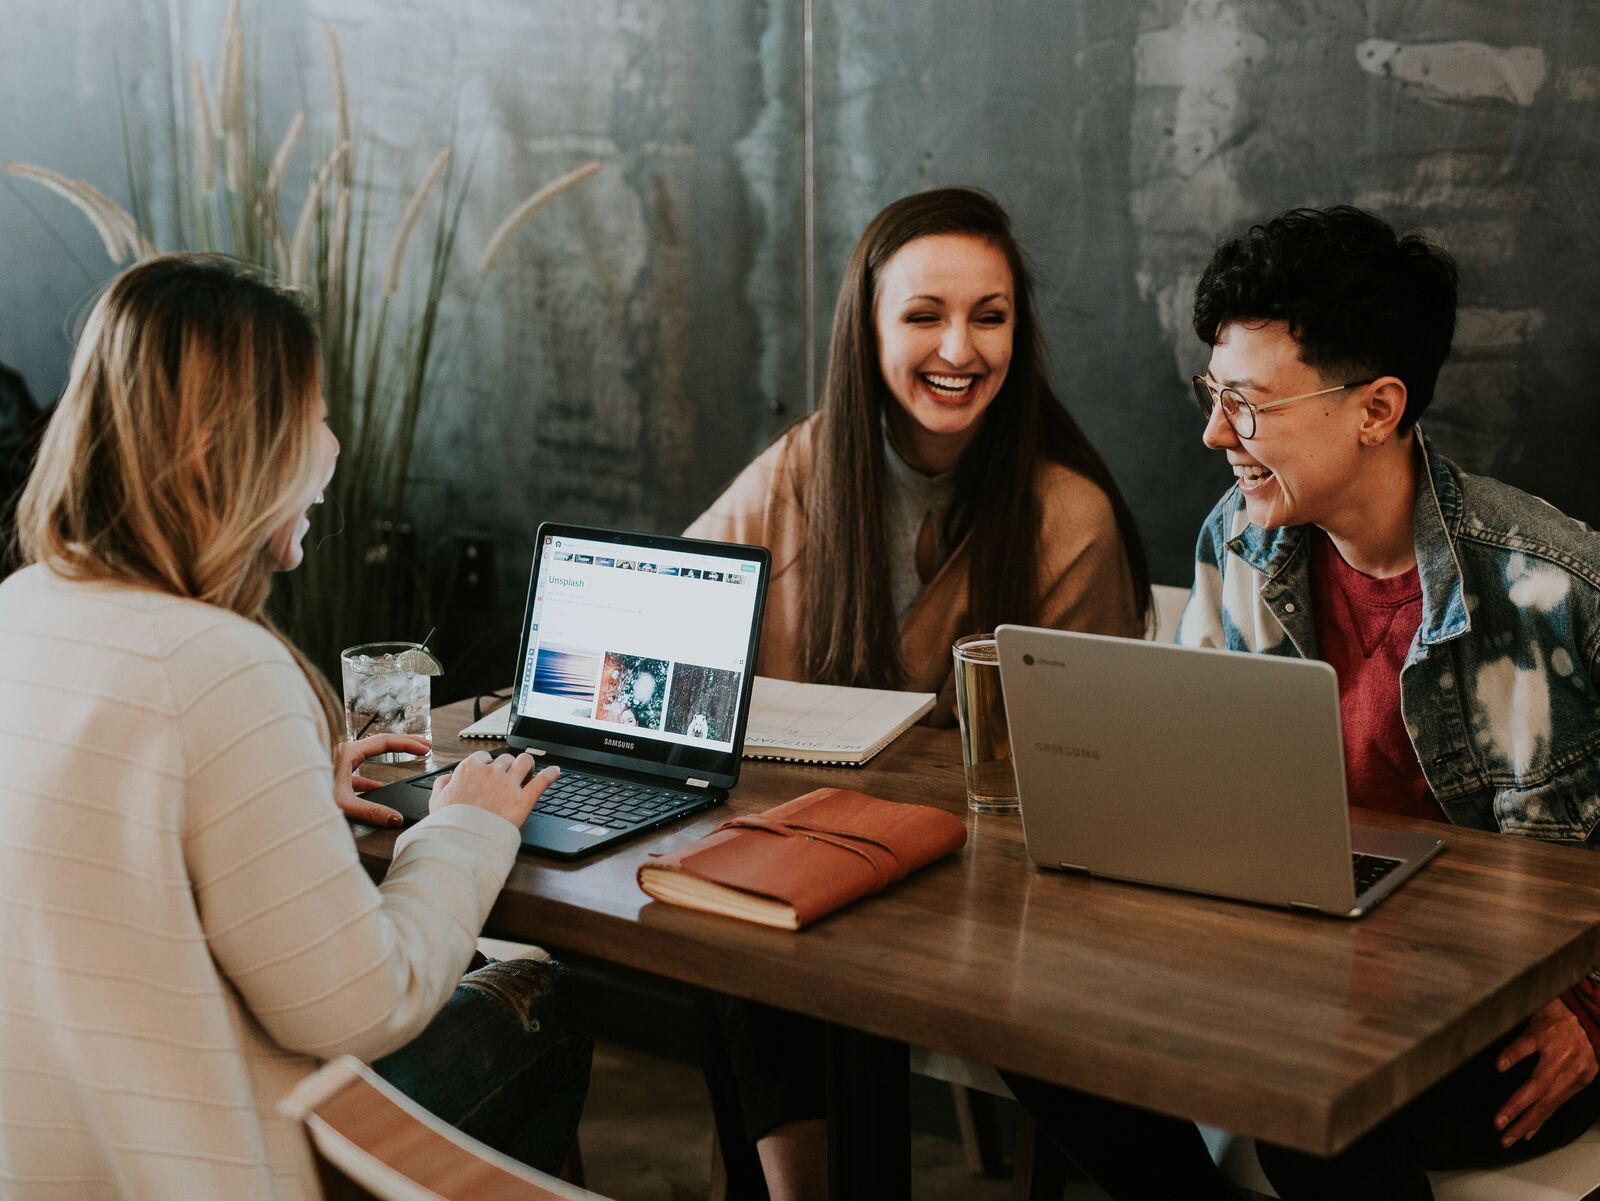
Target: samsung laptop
(634,675)
(1206,770)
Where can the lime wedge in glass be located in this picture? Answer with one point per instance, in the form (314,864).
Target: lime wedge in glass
(419,661)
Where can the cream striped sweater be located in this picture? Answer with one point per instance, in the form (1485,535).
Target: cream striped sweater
(184,925)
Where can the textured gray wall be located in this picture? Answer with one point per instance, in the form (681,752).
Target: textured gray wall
(647,335)
(629,349)
(59,107)
(1126,138)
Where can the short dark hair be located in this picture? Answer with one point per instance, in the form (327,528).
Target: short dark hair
(1358,298)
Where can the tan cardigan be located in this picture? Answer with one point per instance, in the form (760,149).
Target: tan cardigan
(1082,569)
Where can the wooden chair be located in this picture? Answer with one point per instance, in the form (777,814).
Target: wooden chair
(371,1142)
(1038,1171)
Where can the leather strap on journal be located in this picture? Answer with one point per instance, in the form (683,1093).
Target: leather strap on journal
(819,851)
(856,844)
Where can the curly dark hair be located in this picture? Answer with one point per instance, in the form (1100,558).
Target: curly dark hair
(1360,299)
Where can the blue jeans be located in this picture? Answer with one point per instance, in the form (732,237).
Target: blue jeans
(504,1061)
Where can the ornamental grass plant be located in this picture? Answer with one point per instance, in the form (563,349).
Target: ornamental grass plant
(378,306)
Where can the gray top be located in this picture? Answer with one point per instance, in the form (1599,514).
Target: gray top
(908,497)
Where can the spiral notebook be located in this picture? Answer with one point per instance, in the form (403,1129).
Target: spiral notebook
(801,723)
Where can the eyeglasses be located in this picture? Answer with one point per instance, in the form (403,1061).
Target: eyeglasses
(1241,414)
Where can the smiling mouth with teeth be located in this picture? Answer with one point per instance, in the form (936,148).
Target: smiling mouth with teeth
(1251,474)
(950,385)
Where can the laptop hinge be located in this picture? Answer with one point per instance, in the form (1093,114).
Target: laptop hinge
(1305,905)
(1076,869)
(698,783)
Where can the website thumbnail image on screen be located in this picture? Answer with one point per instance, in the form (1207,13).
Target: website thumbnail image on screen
(628,636)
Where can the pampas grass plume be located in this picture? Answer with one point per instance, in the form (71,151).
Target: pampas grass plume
(341,98)
(119,219)
(205,169)
(225,66)
(300,247)
(82,197)
(232,115)
(280,160)
(408,221)
(521,214)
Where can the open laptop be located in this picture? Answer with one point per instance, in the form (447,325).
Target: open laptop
(634,675)
(1205,770)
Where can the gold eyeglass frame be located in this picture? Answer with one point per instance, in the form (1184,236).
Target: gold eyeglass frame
(1208,400)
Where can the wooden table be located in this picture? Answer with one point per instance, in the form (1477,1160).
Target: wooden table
(1294,1028)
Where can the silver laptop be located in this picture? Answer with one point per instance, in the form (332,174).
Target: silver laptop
(1205,770)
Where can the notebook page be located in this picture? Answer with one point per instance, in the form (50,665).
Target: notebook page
(788,716)
(785,715)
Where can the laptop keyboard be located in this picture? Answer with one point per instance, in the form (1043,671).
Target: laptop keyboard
(598,800)
(1370,869)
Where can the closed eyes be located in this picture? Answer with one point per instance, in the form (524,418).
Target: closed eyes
(990,318)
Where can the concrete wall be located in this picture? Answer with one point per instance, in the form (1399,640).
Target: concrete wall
(59,107)
(1125,138)
(649,334)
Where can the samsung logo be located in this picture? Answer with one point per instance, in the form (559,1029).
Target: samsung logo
(623,744)
(1071,752)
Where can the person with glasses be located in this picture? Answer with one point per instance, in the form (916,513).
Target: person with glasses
(1462,618)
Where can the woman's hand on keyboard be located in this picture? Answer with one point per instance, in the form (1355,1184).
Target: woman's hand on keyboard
(500,784)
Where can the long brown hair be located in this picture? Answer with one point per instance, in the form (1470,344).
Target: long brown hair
(850,634)
(185,439)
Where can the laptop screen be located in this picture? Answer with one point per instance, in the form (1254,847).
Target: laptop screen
(639,645)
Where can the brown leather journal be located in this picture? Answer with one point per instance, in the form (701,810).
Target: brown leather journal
(793,864)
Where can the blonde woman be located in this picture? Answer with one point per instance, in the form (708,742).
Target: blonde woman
(185,928)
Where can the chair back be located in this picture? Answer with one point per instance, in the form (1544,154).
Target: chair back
(369,1140)
(1167,611)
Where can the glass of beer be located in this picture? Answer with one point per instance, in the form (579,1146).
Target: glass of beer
(985,740)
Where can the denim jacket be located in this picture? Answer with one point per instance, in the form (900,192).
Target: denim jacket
(1499,689)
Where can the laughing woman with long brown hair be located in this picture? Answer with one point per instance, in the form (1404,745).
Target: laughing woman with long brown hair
(940,489)
(185,927)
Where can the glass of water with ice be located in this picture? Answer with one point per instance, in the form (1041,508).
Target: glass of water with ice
(387,691)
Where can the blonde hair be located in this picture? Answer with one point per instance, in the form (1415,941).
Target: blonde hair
(185,439)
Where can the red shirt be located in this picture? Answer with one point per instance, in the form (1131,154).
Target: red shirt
(1364,630)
